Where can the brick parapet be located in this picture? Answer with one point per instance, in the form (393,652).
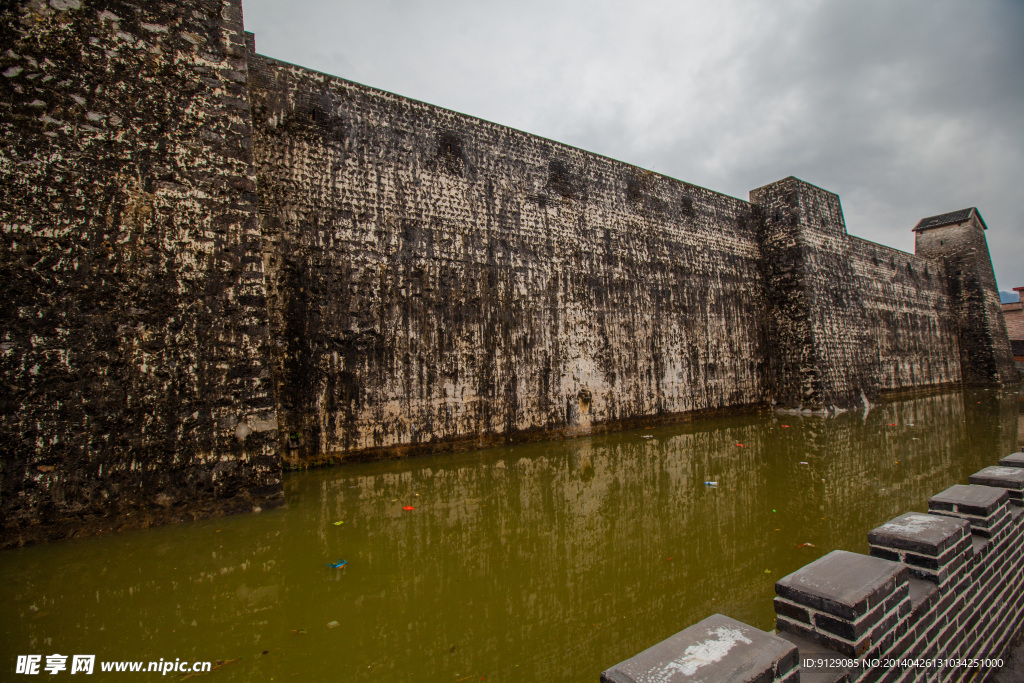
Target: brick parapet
(940,598)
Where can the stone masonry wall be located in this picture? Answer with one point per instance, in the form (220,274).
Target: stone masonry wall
(848,318)
(134,336)
(815,314)
(940,598)
(985,355)
(435,278)
(911,330)
(214,262)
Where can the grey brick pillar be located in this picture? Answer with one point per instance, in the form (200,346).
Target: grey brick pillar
(1013,460)
(1009,478)
(853,604)
(932,547)
(983,506)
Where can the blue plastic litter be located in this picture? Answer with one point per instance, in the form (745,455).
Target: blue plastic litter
(337,565)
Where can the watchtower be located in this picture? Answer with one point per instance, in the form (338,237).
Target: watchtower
(958,240)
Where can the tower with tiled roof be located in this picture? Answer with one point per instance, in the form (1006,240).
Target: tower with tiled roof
(958,240)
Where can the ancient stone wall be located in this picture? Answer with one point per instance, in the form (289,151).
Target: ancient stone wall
(134,337)
(848,318)
(815,316)
(214,262)
(911,334)
(435,278)
(985,355)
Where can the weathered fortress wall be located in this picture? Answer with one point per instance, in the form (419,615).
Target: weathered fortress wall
(215,262)
(851,318)
(973,296)
(436,277)
(134,346)
(911,335)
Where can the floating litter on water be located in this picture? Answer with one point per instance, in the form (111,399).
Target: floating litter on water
(711,483)
(803,462)
(333,624)
(647,436)
(408,507)
(806,545)
(337,565)
(338,523)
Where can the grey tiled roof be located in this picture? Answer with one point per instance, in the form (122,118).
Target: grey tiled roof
(949,219)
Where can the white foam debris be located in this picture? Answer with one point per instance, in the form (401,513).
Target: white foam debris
(913,524)
(710,651)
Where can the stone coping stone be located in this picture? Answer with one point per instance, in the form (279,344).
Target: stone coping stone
(1001,477)
(1013,460)
(716,649)
(843,584)
(921,533)
(980,501)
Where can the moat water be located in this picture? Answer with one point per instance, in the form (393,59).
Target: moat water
(539,562)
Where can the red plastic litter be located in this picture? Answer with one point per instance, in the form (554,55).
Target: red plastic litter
(785,426)
(892,424)
(741,445)
(408,507)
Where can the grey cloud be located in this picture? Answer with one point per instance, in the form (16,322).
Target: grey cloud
(904,109)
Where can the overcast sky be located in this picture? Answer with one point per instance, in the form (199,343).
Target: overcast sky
(905,109)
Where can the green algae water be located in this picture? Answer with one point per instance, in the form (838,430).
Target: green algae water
(539,562)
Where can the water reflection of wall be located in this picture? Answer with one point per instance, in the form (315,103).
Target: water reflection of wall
(552,557)
(557,541)
(191,592)
(564,540)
